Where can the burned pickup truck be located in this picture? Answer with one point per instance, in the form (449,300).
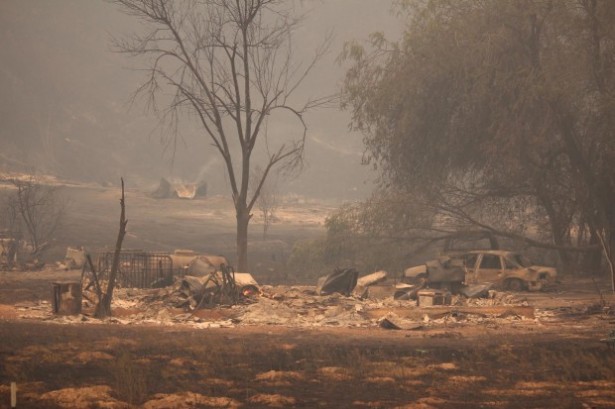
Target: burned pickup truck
(503,269)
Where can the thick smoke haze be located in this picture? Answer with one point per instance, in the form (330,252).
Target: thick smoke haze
(65,107)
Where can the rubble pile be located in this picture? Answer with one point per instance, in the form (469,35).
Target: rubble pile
(300,306)
(493,298)
(292,306)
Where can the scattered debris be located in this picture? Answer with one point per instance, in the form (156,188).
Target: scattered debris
(193,263)
(444,272)
(201,302)
(407,291)
(179,190)
(182,258)
(392,321)
(205,264)
(246,284)
(361,289)
(429,297)
(380,292)
(341,281)
(217,287)
(475,290)
(296,306)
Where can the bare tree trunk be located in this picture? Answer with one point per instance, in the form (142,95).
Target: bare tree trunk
(605,241)
(266,221)
(103,308)
(231,64)
(592,261)
(243,219)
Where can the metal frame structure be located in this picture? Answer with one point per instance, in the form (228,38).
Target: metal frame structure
(138,268)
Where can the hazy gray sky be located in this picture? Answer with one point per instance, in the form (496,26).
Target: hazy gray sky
(64,97)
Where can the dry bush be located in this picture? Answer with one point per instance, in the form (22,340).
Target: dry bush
(130,379)
(32,215)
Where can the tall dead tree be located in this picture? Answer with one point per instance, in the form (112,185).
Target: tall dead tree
(103,308)
(229,65)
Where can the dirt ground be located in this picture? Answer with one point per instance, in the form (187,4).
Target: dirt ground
(205,225)
(555,359)
(545,351)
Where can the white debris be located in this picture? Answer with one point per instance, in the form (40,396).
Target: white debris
(290,306)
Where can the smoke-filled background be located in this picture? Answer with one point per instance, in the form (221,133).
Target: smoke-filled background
(65,101)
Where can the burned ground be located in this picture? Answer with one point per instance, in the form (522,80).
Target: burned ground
(554,359)
(306,368)
(291,347)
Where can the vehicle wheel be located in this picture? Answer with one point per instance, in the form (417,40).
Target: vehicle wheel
(515,284)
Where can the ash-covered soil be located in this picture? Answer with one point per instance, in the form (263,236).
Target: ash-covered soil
(292,348)
(289,347)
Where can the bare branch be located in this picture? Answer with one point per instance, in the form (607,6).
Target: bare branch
(230,63)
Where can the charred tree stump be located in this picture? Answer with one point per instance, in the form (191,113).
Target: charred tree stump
(94,281)
(103,308)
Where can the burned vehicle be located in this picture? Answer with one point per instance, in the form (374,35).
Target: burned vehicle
(508,270)
(503,269)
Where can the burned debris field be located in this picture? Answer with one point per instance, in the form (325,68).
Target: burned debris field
(307,204)
(289,345)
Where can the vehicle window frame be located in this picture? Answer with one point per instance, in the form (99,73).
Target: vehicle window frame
(468,257)
(488,257)
(522,260)
(510,263)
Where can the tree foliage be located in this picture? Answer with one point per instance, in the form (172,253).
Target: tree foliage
(496,114)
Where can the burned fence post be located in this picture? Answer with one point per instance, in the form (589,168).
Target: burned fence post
(103,308)
(94,281)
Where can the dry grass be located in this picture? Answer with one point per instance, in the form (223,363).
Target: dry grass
(249,369)
(130,378)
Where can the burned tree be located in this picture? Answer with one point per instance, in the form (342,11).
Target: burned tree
(229,65)
(103,308)
(31,216)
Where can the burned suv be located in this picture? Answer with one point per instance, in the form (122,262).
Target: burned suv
(504,269)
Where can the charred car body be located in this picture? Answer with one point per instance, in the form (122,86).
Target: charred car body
(503,269)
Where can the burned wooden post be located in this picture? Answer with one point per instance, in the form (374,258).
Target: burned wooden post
(94,282)
(103,308)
